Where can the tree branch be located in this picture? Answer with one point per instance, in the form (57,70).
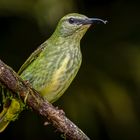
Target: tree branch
(55,116)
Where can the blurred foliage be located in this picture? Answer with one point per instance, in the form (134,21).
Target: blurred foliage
(45,11)
(104,98)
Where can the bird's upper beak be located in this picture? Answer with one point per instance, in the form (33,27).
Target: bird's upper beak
(93,20)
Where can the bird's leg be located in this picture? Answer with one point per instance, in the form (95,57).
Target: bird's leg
(27,94)
(26,97)
(29,85)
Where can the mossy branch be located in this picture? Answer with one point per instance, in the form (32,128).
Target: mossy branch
(52,114)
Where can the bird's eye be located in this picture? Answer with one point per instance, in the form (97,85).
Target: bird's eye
(71,20)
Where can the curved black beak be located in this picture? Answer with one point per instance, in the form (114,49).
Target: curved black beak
(94,20)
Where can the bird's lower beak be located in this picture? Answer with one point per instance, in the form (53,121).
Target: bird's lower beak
(94,20)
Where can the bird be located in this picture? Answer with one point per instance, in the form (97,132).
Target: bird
(51,68)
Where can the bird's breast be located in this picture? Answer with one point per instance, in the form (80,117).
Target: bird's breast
(66,68)
(53,71)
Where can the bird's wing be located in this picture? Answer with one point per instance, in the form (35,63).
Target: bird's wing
(31,58)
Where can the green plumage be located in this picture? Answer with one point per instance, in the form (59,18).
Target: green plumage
(54,69)
(53,66)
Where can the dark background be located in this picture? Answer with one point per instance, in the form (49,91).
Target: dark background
(104,99)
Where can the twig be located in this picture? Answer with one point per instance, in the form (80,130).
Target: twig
(55,116)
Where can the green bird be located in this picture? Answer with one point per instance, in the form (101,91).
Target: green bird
(51,68)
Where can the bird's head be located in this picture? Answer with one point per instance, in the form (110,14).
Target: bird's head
(75,25)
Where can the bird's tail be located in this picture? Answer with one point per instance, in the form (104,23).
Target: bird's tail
(10,112)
